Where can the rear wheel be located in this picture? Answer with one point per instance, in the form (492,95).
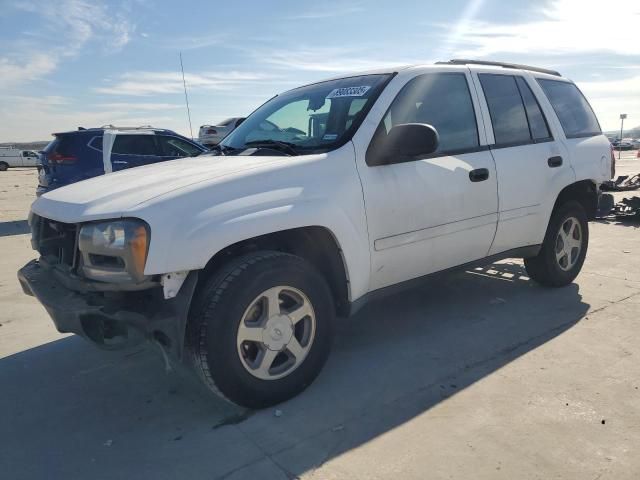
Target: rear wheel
(261,329)
(3,166)
(564,248)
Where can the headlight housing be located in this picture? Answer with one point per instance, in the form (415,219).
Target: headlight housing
(114,251)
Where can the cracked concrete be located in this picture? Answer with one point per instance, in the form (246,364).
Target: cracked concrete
(440,382)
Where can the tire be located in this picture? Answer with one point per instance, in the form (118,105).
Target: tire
(3,166)
(240,292)
(561,257)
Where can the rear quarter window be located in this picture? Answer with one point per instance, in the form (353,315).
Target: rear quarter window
(96,143)
(571,107)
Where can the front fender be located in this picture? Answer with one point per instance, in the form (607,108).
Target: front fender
(185,236)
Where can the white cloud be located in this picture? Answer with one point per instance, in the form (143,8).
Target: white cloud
(327,12)
(154,83)
(67,27)
(16,72)
(35,118)
(139,106)
(193,42)
(323,59)
(79,21)
(562,27)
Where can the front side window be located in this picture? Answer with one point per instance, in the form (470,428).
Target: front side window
(442,100)
(312,119)
(176,147)
(134,145)
(508,116)
(573,110)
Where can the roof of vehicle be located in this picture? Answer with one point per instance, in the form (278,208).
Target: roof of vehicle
(101,129)
(453,62)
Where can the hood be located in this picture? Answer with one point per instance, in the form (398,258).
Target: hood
(112,195)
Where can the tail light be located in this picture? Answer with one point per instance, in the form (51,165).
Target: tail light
(60,159)
(613,163)
(211,131)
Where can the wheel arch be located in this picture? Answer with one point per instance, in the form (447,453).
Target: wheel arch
(316,244)
(584,192)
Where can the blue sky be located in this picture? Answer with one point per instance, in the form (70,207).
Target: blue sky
(73,62)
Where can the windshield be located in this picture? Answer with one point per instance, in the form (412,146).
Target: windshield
(311,119)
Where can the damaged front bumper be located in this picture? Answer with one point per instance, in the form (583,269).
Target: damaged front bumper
(110,319)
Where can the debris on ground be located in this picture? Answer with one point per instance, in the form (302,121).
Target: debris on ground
(497,301)
(337,428)
(625,209)
(277,413)
(623,183)
(108,443)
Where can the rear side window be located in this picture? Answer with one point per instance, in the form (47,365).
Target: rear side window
(573,110)
(134,145)
(508,116)
(442,100)
(537,122)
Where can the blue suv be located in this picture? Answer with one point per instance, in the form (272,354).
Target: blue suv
(85,153)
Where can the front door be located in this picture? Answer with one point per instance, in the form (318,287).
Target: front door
(439,211)
(29,159)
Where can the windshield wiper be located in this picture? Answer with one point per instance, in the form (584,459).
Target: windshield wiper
(285,147)
(221,149)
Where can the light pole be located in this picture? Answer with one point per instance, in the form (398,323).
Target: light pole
(622,117)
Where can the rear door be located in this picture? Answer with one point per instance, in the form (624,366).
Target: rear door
(532,165)
(133,149)
(588,148)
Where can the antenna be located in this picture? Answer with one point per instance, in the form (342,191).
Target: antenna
(186,98)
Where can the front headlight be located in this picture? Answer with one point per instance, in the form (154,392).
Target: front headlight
(114,251)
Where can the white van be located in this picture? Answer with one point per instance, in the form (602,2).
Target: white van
(14,157)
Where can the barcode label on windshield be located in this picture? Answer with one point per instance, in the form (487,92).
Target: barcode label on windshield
(348,92)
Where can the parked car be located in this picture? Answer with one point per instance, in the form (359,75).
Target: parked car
(14,157)
(239,266)
(210,135)
(80,154)
(622,145)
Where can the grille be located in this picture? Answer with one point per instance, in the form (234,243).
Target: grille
(56,241)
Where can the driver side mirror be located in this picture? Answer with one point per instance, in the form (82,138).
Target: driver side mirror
(404,143)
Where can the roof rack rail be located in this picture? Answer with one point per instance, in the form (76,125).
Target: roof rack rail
(458,61)
(114,127)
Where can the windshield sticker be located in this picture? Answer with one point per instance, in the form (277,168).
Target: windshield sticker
(348,92)
(330,136)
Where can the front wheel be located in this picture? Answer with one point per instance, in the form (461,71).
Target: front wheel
(3,166)
(564,248)
(261,328)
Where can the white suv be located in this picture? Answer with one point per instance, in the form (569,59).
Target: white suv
(327,196)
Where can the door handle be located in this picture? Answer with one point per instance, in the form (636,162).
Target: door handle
(554,162)
(479,175)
